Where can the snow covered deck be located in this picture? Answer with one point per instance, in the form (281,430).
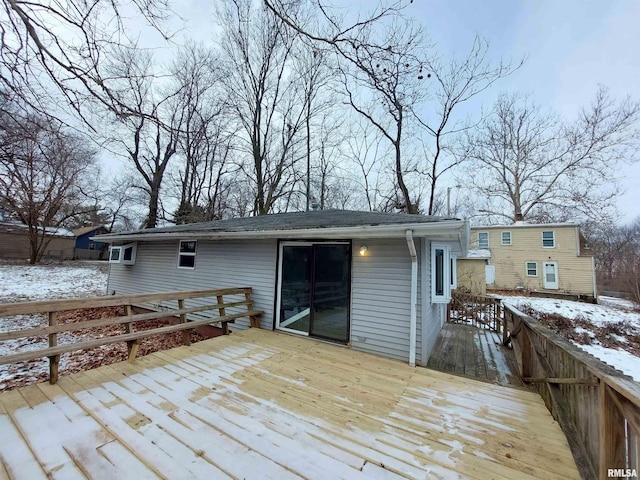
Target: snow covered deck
(259,404)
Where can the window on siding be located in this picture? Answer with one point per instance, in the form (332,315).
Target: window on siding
(187,254)
(483,239)
(440,274)
(548,239)
(532,269)
(124,254)
(506,238)
(454,272)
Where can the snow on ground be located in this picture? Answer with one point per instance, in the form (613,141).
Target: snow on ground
(21,283)
(609,331)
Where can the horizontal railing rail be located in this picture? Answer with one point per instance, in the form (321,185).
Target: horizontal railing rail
(154,306)
(597,406)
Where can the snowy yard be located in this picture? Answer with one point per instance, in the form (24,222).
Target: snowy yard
(20,283)
(609,331)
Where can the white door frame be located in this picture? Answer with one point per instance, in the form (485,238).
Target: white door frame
(546,284)
(279,286)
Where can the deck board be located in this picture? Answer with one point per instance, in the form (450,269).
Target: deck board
(260,404)
(475,352)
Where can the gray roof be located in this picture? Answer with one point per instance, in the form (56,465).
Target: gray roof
(294,221)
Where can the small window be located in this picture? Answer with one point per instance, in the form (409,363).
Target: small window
(483,239)
(92,246)
(454,273)
(548,239)
(187,254)
(440,274)
(506,238)
(124,254)
(115,254)
(532,269)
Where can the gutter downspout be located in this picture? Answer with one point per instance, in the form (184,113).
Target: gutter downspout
(414,298)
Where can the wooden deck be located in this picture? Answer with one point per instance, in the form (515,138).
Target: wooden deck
(259,404)
(475,352)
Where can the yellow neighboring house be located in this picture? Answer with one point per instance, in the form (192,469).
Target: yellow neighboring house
(551,258)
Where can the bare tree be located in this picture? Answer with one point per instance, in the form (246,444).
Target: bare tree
(257,50)
(529,164)
(63,47)
(393,76)
(43,169)
(149,138)
(452,84)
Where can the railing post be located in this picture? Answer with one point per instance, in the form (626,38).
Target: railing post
(222,313)
(54,360)
(505,325)
(186,334)
(612,433)
(526,352)
(254,321)
(132,345)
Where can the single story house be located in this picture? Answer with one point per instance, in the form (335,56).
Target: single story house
(14,242)
(377,282)
(88,249)
(552,258)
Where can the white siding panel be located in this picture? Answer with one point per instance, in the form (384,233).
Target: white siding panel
(380,299)
(219,264)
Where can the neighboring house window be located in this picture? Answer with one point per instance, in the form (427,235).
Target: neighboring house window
(506,238)
(440,274)
(548,239)
(454,272)
(92,246)
(187,254)
(483,239)
(532,269)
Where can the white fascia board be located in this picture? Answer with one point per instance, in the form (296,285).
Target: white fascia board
(444,230)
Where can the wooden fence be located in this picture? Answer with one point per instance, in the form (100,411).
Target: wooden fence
(597,407)
(484,312)
(208,306)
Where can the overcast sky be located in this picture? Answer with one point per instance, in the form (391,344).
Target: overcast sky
(571,47)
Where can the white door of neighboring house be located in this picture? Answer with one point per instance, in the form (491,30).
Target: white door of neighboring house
(550,278)
(490,274)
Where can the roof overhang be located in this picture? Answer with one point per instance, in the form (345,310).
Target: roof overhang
(445,230)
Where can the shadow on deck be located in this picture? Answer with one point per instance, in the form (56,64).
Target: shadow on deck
(475,352)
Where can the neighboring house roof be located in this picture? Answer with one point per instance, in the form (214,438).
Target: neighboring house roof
(11,227)
(478,253)
(526,225)
(84,230)
(321,223)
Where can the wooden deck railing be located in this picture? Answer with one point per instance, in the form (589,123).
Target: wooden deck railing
(207,307)
(597,407)
(476,310)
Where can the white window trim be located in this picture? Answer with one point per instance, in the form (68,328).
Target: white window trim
(121,249)
(446,280)
(187,254)
(502,242)
(553,238)
(486,233)
(526,268)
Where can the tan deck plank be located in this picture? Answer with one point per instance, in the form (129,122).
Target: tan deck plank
(297,408)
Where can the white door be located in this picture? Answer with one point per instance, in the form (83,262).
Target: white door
(490,274)
(550,278)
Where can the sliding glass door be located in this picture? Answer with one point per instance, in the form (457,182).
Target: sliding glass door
(313,296)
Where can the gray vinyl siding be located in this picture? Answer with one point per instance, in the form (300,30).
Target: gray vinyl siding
(381,299)
(219,264)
